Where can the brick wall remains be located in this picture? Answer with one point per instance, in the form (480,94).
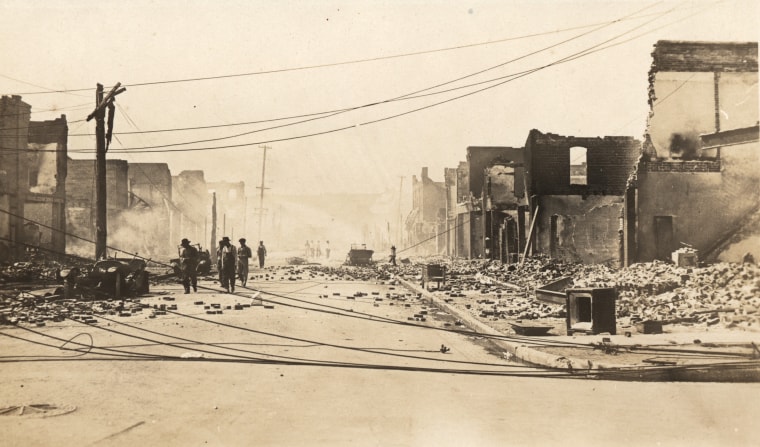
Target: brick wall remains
(610,161)
(686,56)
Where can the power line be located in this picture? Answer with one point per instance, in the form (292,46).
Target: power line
(411,95)
(168,199)
(309,67)
(511,77)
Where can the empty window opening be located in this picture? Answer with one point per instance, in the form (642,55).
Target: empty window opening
(578,166)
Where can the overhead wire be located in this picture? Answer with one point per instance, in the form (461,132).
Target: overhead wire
(606,374)
(512,77)
(411,95)
(146,176)
(408,96)
(309,67)
(591,50)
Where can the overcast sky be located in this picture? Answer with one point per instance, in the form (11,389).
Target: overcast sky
(324,56)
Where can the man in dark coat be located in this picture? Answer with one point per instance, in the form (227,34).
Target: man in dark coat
(262,253)
(188,260)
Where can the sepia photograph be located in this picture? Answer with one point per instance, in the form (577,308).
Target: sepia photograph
(379,223)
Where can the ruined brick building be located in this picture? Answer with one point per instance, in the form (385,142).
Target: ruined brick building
(576,187)
(482,198)
(231,209)
(33,173)
(193,206)
(45,203)
(80,198)
(694,181)
(698,180)
(426,222)
(146,226)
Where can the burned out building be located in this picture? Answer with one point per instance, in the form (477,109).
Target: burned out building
(45,203)
(193,205)
(426,221)
(80,200)
(145,226)
(504,207)
(576,187)
(231,209)
(698,181)
(32,181)
(486,185)
(458,209)
(14,127)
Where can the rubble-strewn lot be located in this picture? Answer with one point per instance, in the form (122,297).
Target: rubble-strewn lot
(499,294)
(722,293)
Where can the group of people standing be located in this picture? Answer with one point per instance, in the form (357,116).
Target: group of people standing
(231,262)
(313,249)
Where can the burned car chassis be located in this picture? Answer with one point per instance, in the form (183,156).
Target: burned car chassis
(107,278)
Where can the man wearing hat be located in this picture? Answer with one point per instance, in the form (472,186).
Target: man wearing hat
(188,259)
(226,257)
(243,255)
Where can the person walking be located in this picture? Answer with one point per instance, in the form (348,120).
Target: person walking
(188,261)
(327,249)
(262,253)
(226,259)
(243,255)
(307,250)
(393,255)
(319,250)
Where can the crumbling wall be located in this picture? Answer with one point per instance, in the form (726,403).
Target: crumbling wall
(152,184)
(587,230)
(609,163)
(588,215)
(14,122)
(230,208)
(80,183)
(80,199)
(481,157)
(191,197)
(687,108)
(706,204)
(697,88)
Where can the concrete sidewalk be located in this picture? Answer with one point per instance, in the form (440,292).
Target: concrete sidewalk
(651,357)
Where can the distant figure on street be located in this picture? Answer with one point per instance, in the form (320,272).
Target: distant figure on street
(307,250)
(226,257)
(393,255)
(262,253)
(319,250)
(327,249)
(188,261)
(243,255)
(313,250)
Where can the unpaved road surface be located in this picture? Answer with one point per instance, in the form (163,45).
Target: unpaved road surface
(314,359)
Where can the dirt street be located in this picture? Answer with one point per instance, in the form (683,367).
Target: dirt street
(302,358)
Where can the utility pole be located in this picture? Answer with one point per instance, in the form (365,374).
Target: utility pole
(400,218)
(102,141)
(212,245)
(262,188)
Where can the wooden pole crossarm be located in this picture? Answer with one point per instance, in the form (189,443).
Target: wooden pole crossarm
(107,99)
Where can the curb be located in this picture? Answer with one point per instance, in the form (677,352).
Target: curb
(520,351)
